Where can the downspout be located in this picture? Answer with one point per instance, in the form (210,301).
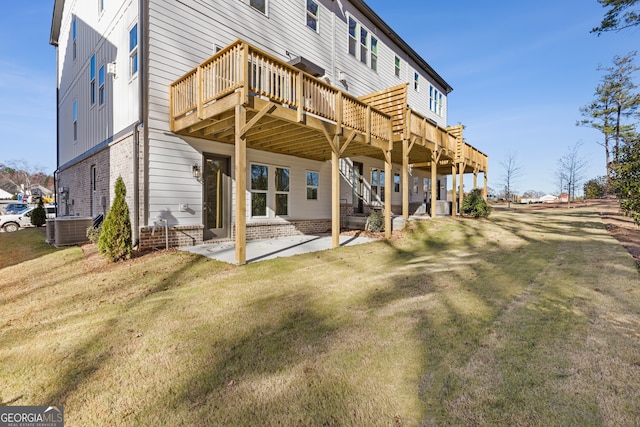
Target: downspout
(139,126)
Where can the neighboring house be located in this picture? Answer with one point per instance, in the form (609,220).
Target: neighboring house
(548,198)
(241,119)
(5,195)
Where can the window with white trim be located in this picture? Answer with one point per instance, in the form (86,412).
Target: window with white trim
(259,189)
(313,14)
(282,191)
(435,100)
(259,5)
(374,54)
(92,80)
(415,184)
(397,66)
(133,50)
(396,182)
(313,182)
(364,45)
(426,185)
(353,27)
(74,36)
(416,82)
(101,89)
(75,120)
(377,185)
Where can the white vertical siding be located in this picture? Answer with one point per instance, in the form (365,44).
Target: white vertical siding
(105,35)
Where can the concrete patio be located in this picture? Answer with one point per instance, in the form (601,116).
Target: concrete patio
(264,249)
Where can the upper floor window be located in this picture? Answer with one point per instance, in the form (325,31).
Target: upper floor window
(74,35)
(435,100)
(364,45)
(92,80)
(312,15)
(101,92)
(133,50)
(397,67)
(75,120)
(353,42)
(374,54)
(260,5)
(416,81)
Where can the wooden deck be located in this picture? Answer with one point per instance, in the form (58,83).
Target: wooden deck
(245,97)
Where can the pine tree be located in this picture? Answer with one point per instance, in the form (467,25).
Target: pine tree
(475,205)
(39,215)
(115,239)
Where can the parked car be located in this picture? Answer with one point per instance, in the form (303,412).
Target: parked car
(14,208)
(14,222)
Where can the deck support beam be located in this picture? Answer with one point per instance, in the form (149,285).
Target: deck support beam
(405,178)
(435,158)
(454,208)
(241,184)
(335,197)
(388,182)
(461,167)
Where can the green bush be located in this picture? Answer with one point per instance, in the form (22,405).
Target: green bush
(475,205)
(114,242)
(39,215)
(375,221)
(93,233)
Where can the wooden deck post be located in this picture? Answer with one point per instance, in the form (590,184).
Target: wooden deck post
(335,198)
(461,167)
(454,173)
(405,178)
(241,185)
(388,182)
(434,182)
(475,178)
(484,191)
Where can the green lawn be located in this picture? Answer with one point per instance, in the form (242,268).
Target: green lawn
(527,318)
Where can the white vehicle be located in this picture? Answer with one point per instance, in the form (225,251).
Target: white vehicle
(11,223)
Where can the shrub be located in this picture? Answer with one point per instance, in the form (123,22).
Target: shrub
(93,233)
(475,205)
(39,215)
(114,242)
(375,221)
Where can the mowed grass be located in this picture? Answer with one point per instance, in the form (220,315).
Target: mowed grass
(527,318)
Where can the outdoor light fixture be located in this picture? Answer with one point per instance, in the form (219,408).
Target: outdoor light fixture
(195,170)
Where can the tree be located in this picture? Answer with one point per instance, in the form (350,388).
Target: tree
(595,188)
(115,239)
(571,167)
(512,171)
(626,178)
(615,102)
(621,14)
(39,215)
(475,205)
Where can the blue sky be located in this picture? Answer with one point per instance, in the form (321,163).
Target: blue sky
(520,71)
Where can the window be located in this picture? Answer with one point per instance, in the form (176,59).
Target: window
(312,15)
(396,182)
(352,36)
(100,6)
(377,185)
(435,100)
(259,188)
(374,53)
(74,34)
(415,184)
(92,80)
(133,50)
(282,191)
(101,94)
(426,185)
(416,82)
(364,45)
(75,120)
(260,5)
(397,66)
(313,181)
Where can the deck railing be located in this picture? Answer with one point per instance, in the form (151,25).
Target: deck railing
(241,67)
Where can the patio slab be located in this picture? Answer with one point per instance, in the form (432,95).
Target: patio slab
(264,249)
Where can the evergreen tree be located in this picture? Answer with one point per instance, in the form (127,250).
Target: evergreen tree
(475,205)
(626,178)
(115,239)
(39,214)
(621,14)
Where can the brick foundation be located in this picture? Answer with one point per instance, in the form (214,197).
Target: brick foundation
(180,235)
(271,229)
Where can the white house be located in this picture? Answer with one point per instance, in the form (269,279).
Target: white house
(240,119)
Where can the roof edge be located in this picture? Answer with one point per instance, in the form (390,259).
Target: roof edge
(56,22)
(379,22)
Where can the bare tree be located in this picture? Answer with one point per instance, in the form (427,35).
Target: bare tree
(572,168)
(512,171)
